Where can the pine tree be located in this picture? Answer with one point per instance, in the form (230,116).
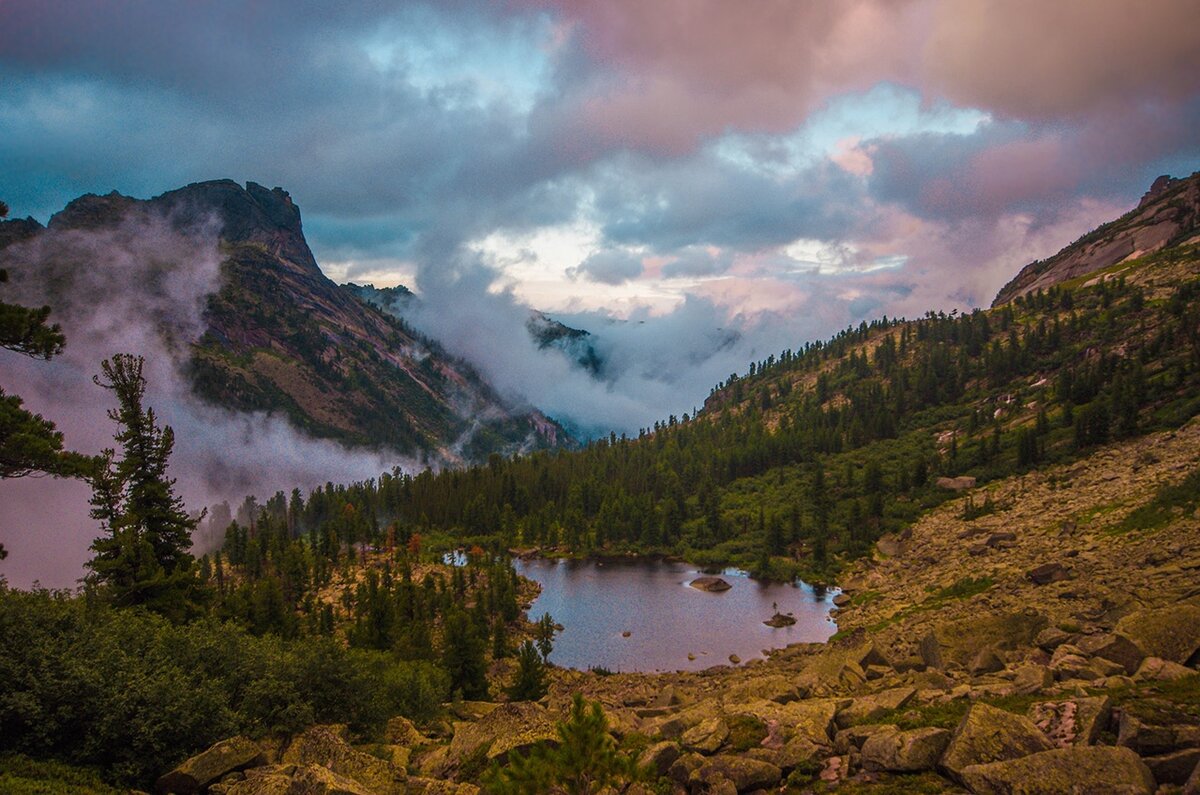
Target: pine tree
(143,557)
(462,656)
(530,682)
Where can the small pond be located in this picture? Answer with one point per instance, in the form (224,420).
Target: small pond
(598,601)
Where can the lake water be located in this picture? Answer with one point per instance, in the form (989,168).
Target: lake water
(598,601)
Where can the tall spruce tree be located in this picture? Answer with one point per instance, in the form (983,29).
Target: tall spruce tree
(530,681)
(142,559)
(462,656)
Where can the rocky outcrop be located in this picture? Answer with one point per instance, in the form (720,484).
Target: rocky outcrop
(1096,771)
(196,774)
(904,751)
(710,584)
(987,734)
(326,747)
(1168,214)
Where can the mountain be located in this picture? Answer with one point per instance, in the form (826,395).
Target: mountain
(279,336)
(1168,215)
(546,332)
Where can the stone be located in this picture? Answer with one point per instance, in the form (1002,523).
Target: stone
(296,779)
(852,739)
(1002,539)
(986,661)
(905,751)
(870,708)
(1115,647)
(1172,633)
(780,620)
(733,658)
(842,599)
(931,651)
(665,697)
(1075,722)
(710,584)
(1192,787)
(1051,638)
(1048,573)
(401,731)
(873,656)
(706,737)
(1069,662)
(681,768)
(1096,770)
(1151,740)
(1030,679)
(746,774)
(325,746)
(1156,669)
(516,726)
(988,734)
(1175,767)
(210,766)
(659,757)
(959,483)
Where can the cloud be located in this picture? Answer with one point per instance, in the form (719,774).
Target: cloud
(613,266)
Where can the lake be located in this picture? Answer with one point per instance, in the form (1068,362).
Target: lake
(597,601)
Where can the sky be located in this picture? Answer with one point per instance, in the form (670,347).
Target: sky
(700,183)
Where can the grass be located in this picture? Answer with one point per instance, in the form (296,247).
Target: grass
(1169,502)
(20,775)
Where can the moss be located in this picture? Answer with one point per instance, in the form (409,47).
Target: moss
(745,732)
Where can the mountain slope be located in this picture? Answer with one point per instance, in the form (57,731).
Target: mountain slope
(1168,215)
(281,337)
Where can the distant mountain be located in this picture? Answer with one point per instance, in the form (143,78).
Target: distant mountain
(546,332)
(281,337)
(1168,215)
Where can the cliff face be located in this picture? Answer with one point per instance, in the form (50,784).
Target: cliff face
(281,337)
(1168,215)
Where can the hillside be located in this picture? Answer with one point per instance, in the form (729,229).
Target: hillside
(281,337)
(1168,215)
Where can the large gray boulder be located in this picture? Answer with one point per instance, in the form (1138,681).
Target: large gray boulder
(197,773)
(1096,770)
(987,734)
(905,751)
(1172,633)
(746,774)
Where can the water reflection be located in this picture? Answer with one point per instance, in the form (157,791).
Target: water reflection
(667,620)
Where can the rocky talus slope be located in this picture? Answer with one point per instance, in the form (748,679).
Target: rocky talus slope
(1049,646)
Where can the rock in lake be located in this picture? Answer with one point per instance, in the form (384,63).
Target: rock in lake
(780,620)
(710,584)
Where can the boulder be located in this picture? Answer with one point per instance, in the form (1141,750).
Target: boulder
(872,656)
(842,599)
(1051,638)
(710,584)
(707,736)
(659,757)
(1075,722)
(325,746)
(744,773)
(401,731)
(959,483)
(931,651)
(681,768)
(516,726)
(1172,633)
(1115,647)
(987,661)
(1070,662)
(1048,573)
(665,697)
(1030,679)
(870,708)
(1151,740)
(209,767)
(987,734)
(1192,787)
(774,687)
(1095,770)
(296,779)
(1175,767)
(1156,669)
(904,751)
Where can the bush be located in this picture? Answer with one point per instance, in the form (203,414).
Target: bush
(132,694)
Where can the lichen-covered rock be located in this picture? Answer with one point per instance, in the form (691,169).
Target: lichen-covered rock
(1172,633)
(1157,669)
(905,751)
(659,757)
(1175,767)
(707,736)
(746,774)
(987,734)
(986,661)
(1030,679)
(203,769)
(1095,770)
(681,768)
(510,727)
(872,707)
(401,731)
(326,747)
(1075,722)
(1115,647)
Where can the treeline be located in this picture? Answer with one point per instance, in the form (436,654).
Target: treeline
(857,427)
